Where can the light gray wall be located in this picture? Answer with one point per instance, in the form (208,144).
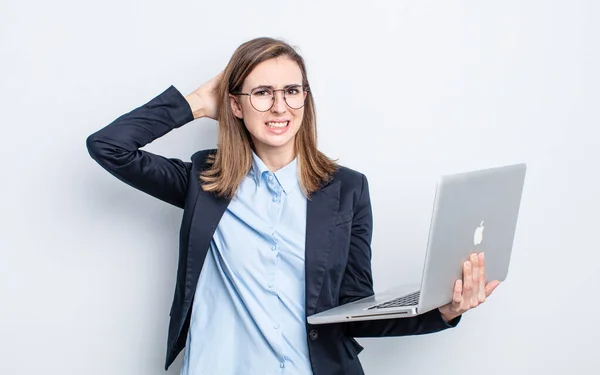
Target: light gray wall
(405,90)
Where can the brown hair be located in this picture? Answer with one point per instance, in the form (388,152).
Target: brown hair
(233,159)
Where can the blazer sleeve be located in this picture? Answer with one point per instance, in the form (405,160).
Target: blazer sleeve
(116,147)
(357,283)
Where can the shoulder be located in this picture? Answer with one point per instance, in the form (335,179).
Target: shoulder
(200,158)
(353,188)
(350,178)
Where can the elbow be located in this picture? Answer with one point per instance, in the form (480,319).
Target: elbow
(105,152)
(94,146)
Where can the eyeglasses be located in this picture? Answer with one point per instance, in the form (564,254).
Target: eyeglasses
(262,98)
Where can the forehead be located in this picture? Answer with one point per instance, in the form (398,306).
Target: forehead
(277,72)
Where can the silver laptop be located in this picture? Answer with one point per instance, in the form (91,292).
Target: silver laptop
(472,212)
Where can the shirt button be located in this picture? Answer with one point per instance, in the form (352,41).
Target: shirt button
(270,177)
(276,326)
(274,247)
(282,365)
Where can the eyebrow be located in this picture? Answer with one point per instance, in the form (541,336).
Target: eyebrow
(272,87)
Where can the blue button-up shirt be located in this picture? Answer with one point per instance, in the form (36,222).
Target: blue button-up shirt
(248,315)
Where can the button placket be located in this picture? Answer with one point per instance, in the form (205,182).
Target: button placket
(275,209)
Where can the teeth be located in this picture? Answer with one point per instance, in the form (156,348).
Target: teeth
(277,124)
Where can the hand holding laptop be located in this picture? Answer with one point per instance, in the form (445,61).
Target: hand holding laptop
(464,206)
(471,291)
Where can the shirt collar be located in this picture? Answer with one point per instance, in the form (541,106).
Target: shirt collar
(286,176)
(258,167)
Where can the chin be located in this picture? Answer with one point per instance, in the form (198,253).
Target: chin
(277,143)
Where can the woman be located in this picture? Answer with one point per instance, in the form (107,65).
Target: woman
(272,231)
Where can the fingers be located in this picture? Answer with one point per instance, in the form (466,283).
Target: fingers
(473,289)
(454,308)
(475,275)
(457,298)
(467,285)
(482,278)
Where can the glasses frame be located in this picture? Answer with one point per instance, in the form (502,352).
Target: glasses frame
(304,89)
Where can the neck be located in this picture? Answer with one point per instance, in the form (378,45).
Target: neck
(276,158)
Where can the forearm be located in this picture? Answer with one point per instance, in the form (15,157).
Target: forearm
(429,322)
(142,125)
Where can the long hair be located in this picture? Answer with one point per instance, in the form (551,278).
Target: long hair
(233,159)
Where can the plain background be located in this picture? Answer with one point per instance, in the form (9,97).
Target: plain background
(405,90)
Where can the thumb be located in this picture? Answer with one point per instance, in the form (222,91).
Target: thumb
(489,288)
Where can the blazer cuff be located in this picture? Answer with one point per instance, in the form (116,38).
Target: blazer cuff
(451,324)
(175,104)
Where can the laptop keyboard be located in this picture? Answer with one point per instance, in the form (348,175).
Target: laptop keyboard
(408,300)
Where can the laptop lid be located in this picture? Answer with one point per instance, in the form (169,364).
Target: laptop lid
(473,212)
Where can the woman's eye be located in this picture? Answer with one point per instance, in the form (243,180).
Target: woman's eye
(262,93)
(293,91)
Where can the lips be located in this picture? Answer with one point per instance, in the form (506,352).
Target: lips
(277,127)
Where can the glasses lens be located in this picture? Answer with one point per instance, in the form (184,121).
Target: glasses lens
(294,97)
(261,99)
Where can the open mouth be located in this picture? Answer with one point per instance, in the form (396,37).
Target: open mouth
(277,127)
(277,124)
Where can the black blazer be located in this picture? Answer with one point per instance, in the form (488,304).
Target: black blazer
(338,234)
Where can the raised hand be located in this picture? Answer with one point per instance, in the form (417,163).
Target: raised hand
(203,100)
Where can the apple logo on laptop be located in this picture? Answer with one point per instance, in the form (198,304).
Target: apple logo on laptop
(478,237)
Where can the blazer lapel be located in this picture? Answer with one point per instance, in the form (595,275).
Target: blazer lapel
(320,225)
(208,211)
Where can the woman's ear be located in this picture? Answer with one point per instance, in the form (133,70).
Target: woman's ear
(236,108)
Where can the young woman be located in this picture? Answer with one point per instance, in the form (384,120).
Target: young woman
(272,231)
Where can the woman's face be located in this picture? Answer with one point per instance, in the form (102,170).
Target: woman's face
(275,128)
